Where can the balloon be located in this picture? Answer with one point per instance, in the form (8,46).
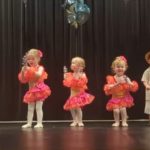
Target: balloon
(83,12)
(71,1)
(77,12)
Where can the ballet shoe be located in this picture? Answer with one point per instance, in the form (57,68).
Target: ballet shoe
(124,124)
(38,125)
(80,124)
(26,126)
(116,124)
(73,124)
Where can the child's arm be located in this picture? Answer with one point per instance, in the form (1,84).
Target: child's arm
(145,79)
(39,72)
(109,85)
(113,85)
(146,85)
(22,75)
(133,85)
(128,80)
(81,80)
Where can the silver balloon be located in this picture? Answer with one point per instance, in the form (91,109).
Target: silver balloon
(77,12)
(70,2)
(83,12)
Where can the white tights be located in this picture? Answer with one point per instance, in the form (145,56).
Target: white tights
(117,112)
(77,115)
(39,112)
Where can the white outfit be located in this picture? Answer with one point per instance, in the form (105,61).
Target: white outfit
(146,78)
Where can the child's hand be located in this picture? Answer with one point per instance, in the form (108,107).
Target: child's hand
(128,81)
(121,79)
(24,68)
(65,75)
(113,85)
(78,75)
(65,69)
(147,87)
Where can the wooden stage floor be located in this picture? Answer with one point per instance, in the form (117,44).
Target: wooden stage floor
(59,136)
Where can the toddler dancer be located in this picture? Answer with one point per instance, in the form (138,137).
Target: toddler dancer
(119,86)
(77,82)
(34,74)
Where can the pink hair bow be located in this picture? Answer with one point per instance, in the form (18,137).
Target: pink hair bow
(40,53)
(123,58)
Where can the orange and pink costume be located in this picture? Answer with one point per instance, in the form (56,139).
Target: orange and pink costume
(38,90)
(120,94)
(82,98)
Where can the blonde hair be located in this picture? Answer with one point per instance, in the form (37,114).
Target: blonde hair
(119,60)
(147,56)
(35,53)
(79,61)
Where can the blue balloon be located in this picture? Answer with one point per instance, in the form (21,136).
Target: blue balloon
(77,12)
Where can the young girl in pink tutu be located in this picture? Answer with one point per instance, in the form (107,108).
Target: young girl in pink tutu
(119,86)
(34,74)
(77,82)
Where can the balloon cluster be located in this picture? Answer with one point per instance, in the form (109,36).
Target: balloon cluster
(76,11)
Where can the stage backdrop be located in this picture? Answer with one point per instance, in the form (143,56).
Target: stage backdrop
(115,27)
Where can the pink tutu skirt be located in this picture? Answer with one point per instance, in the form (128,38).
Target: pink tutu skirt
(116,103)
(38,93)
(79,100)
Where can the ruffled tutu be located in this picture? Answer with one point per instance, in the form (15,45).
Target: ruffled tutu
(116,103)
(38,93)
(79,100)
